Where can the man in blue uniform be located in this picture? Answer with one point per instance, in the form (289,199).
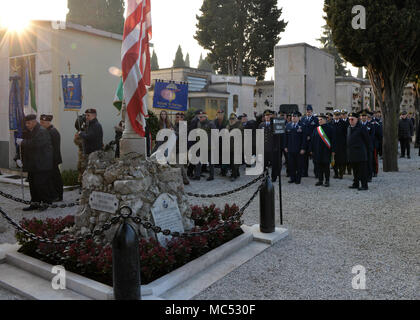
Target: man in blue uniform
(322,148)
(295,148)
(376,143)
(310,123)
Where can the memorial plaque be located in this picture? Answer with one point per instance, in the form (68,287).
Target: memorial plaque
(106,202)
(166,215)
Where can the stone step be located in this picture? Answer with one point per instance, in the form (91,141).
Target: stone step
(33,287)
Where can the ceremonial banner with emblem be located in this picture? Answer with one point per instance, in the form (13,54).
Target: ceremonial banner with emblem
(72,92)
(135,55)
(170,95)
(16,116)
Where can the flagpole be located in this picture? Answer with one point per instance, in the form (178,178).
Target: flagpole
(21,172)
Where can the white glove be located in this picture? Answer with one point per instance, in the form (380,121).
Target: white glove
(19,141)
(19,163)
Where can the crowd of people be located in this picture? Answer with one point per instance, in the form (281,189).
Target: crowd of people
(39,155)
(340,141)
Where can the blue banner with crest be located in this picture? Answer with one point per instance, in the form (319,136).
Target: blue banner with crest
(72,92)
(170,95)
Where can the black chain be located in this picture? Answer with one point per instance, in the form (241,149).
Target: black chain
(235,217)
(41,205)
(97,232)
(146,224)
(218,195)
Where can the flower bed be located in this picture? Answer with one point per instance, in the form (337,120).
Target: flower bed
(94,260)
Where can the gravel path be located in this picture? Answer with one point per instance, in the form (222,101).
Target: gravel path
(331,231)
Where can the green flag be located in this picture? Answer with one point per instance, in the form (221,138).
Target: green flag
(119,96)
(32,91)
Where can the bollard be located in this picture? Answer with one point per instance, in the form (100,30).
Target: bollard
(267,218)
(126,263)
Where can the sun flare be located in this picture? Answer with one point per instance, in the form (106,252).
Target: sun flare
(17,15)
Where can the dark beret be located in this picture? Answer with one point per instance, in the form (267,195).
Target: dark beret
(91,111)
(46,117)
(404,112)
(30,117)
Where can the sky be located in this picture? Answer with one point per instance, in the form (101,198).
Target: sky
(174,23)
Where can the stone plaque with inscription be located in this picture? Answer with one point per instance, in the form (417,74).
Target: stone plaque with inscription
(103,202)
(166,215)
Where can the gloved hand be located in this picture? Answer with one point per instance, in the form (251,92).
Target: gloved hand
(19,163)
(19,141)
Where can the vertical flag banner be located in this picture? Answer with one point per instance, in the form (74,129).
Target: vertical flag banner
(119,96)
(16,116)
(135,60)
(170,95)
(72,92)
(26,93)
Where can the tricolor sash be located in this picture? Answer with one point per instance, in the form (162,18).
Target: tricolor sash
(324,137)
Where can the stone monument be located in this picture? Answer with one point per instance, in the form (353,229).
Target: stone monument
(134,181)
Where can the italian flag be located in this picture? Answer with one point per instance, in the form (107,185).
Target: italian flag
(119,96)
(324,137)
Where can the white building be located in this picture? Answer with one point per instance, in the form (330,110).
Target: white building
(90,52)
(304,75)
(354,94)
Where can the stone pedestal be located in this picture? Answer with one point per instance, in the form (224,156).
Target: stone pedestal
(130,140)
(136,182)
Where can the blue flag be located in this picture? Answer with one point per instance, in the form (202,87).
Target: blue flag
(72,92)
(170,95)
(16,115)
(26,95)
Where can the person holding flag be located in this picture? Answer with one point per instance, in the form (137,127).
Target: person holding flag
(322,149)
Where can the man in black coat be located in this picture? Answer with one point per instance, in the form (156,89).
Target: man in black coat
(249,125)
(340,158)
(37,155)
(220,123)
(405,134)
(358,144)
(57,181)
(322,148)
(371,131)
(93,135)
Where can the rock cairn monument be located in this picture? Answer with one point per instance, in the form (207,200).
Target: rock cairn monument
(134,181)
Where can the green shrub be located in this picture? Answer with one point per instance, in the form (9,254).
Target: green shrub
(70,177)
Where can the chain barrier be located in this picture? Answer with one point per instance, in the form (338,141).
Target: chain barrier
(218,195)
(137,220)
(41,205)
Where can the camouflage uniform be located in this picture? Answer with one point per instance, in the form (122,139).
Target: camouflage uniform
(82,158)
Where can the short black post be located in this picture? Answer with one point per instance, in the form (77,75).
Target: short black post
(267,208)
(280,204)
(126,263)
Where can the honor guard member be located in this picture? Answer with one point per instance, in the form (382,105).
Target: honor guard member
(207,125)
(371,131)
(234,123)
(344,117)
(322,149)
(340,158)
(295,148)
(92,136)
(310,123)
(57,181)
(220,123)
(268,138)
(37,155)
(249,125)
(378,118)
(358,144)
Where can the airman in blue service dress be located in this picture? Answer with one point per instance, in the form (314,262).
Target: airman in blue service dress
(295,148)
